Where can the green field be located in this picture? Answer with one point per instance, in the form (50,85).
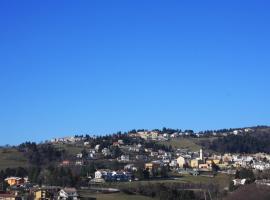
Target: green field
(183,143)
(11,158)
(115,196)
(220,179)
(192,144)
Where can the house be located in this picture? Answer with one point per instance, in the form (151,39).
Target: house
(65,163)
(97,147)
(149,135)
(211,161)
(174,135)
(108,175)
(205,167)
(134,148)
(194,163)
(45,193)
(92,153)
(12,181)
(98,174)
(173,163)
(152,166)
(130,167)
(79,163)
(86,143)
(120,142)
(237,182)
(153,154)
(236,132)
(182,161)
(141,157)
(68,194)
(124,158)
(116,144)
(79,155)
(106,151)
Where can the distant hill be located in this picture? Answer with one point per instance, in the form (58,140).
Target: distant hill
(254,141)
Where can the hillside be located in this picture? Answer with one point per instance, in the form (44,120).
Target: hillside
(255,141)
(11,158)
(250,142)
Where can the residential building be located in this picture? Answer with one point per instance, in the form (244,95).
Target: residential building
(68,194)
(12,181)
(182,161)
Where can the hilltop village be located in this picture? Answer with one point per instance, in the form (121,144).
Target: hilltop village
(63,167)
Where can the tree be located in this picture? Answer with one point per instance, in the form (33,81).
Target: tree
(244,173)
(116,151)
(164,172)
(231,186)
(140,173)
(146,173)
(215,168)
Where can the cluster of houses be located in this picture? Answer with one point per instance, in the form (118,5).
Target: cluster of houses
(154,135)
(157,135)
(67,140)
(176,160)
(112,176)
(19,188)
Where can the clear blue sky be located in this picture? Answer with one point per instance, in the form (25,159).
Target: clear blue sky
(71,67)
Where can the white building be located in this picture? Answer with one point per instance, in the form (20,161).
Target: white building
(68,193)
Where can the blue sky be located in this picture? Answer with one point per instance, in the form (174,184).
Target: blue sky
(72,67)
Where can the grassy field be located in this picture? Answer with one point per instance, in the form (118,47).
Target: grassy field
(183,143)
(115,196)
(10,157)
(220,179)
(192,144)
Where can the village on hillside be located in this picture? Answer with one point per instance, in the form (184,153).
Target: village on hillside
(133,157)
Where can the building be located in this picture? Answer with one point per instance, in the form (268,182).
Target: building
(45,193)
(205,167)
(194,163)
(12,181)
(237,182)
(107,175)
(182,161)
(210,162)
(65,163)
(106,152)
(68,194)
(124,158)
(152,166)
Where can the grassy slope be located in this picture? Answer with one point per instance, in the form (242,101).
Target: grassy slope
(192,144)
(183,143)
(10,157)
